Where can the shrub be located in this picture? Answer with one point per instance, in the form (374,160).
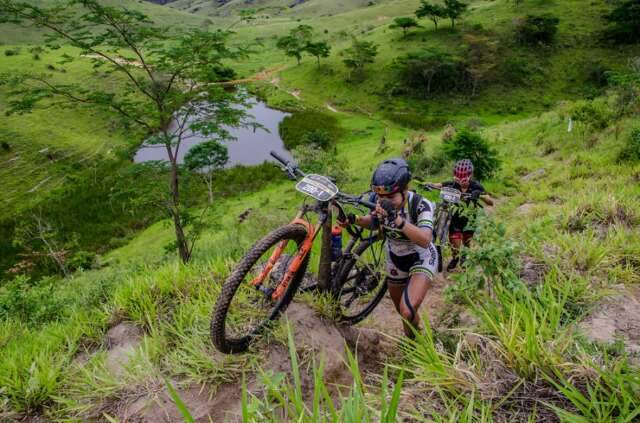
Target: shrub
(12,52)
(426,165)
(5,146)
(537,29)
(631,151)
(470,145)
(81,260)
(592,115)
(316,160)
(317,137)
(625,20)
(309,127)
(415,120)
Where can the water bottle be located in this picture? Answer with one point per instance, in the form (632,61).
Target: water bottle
(336,243)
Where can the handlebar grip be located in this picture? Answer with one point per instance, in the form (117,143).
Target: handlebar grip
(279,158)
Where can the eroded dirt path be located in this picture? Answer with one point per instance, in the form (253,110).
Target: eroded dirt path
(375,342)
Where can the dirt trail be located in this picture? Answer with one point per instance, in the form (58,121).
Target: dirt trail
(373,340)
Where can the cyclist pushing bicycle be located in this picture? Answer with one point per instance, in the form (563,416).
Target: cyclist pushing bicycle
(459,231)
(407,222)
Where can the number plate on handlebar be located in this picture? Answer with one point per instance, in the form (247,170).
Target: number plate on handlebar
(450,195)
(318,187)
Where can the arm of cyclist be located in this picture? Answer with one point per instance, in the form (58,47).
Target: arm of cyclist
(367,221)
(486,198)
(420,234)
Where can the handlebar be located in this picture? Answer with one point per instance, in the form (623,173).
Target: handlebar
(290,167)
(429,187)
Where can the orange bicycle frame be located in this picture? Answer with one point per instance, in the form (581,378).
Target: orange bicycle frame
(294,266)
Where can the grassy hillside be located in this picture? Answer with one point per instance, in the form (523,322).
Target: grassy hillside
(13,34)
(563,71)
(274,8)
(542,325)
(574,222)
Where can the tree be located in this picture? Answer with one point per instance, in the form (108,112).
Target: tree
(470,145)
(207,158)
(481,58)
(168,86)
(295,43)
(454,9)
(405,23)
(430,71)
(420,69)
(431,11)
(625,22)
(535,29)
(318,49)
(358,55)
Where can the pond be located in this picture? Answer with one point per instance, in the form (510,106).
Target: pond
(250,147)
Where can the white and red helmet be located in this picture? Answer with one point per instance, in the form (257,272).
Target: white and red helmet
(463,170)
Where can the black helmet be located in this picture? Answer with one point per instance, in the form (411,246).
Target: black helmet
(390,176)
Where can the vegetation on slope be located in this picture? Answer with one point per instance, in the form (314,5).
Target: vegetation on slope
(517,339)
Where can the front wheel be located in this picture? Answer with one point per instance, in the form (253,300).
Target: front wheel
(359,284)
(246,306)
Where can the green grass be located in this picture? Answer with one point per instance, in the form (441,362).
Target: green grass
(13,34)
(530,332)
(524,357)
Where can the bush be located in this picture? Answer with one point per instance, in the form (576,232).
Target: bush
(625,20)
(5,146)
(537,29)
(32,303)
(309,127)
(317,137)
(81,260)
(416,120)
(470,145)
(593,116)
(316,160)
(631,151)
(424,166)
(12,52)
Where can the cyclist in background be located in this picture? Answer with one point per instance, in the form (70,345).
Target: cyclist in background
(460,233)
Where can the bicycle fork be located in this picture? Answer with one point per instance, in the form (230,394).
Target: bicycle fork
(281,287)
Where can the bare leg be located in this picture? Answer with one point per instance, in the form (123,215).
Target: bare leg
(412,297)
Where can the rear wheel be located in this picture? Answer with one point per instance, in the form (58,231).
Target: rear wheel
(360,283)
(244,310)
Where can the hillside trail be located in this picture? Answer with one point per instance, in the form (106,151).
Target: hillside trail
(374,341)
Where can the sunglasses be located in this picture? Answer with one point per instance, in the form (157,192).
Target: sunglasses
(384,190)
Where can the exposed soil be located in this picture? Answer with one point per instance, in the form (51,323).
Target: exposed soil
(122,341)
(536,174)
(616,318)
(525,208)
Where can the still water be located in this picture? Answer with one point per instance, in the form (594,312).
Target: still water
(250,147)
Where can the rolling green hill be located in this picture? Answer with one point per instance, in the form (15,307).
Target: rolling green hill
(12,34)
(542,325)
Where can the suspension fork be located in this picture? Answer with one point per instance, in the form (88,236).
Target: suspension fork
(303,252)
(277,253)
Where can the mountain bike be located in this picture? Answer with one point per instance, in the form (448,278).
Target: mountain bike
(449,199)
(266,279)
